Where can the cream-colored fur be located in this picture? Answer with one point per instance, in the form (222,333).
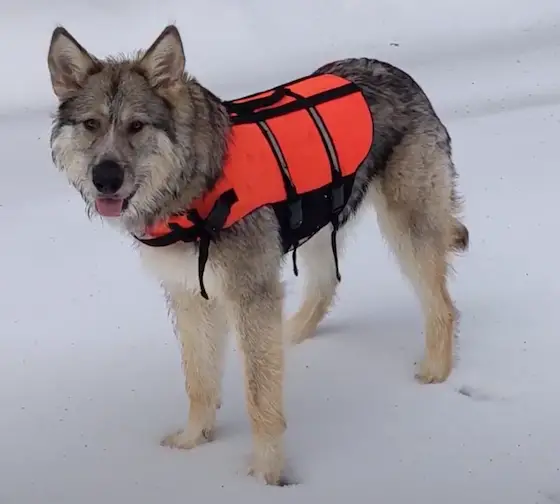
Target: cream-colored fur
(201,326)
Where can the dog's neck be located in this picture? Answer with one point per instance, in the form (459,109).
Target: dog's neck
(203,121)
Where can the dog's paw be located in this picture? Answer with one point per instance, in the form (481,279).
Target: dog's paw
(185,440)
(270,477)
(267,463)
(431,371)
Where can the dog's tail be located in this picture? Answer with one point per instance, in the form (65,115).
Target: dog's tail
(460,237)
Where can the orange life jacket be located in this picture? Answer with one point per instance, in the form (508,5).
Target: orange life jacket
(295,148)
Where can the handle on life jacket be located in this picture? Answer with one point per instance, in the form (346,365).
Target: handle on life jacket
(251,105)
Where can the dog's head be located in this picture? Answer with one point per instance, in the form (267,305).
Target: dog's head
(124,132)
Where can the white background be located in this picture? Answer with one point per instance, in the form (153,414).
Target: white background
(91,375)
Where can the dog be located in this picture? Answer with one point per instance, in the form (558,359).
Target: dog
(141,139)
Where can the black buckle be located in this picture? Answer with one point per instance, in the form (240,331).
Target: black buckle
(202,225)
(217,217)
(296,214)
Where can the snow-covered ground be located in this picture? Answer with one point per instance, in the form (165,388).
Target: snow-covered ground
(90,370)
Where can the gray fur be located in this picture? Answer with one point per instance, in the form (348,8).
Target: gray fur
(408,176)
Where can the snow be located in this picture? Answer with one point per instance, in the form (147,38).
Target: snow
(91,370)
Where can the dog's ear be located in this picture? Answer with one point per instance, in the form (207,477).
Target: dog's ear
(164,61)
(69,63)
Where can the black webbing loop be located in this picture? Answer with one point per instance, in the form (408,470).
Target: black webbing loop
(294,260)
(209,229)
(334,247)
(249,106)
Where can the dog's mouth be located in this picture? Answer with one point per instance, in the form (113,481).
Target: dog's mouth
(112,207)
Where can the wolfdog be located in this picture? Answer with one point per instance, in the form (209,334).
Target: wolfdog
(142,140)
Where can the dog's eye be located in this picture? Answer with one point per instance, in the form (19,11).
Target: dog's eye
(92,124)
(135,126)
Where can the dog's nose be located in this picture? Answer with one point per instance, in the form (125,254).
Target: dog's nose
(107,177)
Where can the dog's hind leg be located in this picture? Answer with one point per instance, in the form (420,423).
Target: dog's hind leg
(415,205)
(201,330)
(320,284)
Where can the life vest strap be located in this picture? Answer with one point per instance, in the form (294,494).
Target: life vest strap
(337,189)
(203,230)
(209,230)
(217,217)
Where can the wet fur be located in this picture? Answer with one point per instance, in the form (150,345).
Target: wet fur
(409,178)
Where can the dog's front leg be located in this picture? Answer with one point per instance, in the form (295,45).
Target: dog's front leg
(256,309)
(201,330)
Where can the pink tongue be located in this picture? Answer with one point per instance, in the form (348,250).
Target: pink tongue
(109,207)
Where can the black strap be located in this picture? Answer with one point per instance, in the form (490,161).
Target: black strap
(209,230)
(335,248)
(251,105)
(205,237)
(177,234)
(337,191)
(203,230)
(294,259)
